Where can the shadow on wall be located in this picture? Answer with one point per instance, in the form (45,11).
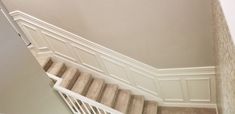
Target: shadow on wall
(24,86)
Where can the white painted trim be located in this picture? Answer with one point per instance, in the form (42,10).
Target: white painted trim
(197,71)
(18,15)
(209,86)
(194,105)
(5,12)
(151,81)
(79,97)
(109,79)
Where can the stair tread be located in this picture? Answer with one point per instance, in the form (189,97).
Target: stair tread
(70,77)
(136,104)
(150,107)
(45,62)
(57,69)
(109,95)
(82,84)
(123,100)
(96,89)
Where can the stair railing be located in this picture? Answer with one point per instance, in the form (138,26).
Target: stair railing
(79,104)
(15,26)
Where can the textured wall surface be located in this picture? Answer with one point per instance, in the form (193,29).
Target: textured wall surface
(225,63)
(161,33)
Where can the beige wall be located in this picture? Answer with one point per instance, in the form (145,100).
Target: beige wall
(225,51)
(161,33)
(24,86)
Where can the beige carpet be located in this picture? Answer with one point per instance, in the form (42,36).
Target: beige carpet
(171,110)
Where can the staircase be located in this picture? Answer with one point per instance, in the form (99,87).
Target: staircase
(98,90)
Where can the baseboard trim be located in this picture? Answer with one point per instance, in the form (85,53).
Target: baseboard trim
(189,105)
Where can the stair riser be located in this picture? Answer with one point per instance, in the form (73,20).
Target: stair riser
(96,89)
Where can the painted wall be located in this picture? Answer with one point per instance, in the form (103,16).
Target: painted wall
(24,87)
(161,33)
(225,51)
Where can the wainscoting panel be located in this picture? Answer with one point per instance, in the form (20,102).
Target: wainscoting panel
(194,86)
(172,89)
(58,45)
(144,81)
(35,37)
(116,69)
(88,58)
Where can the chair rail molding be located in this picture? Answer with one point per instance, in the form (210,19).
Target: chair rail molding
(181,87)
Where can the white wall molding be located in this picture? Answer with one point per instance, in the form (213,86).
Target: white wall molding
(207,70)
(195,105)
(194,86)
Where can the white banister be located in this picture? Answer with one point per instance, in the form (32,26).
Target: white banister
(13,23)
(78,103)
